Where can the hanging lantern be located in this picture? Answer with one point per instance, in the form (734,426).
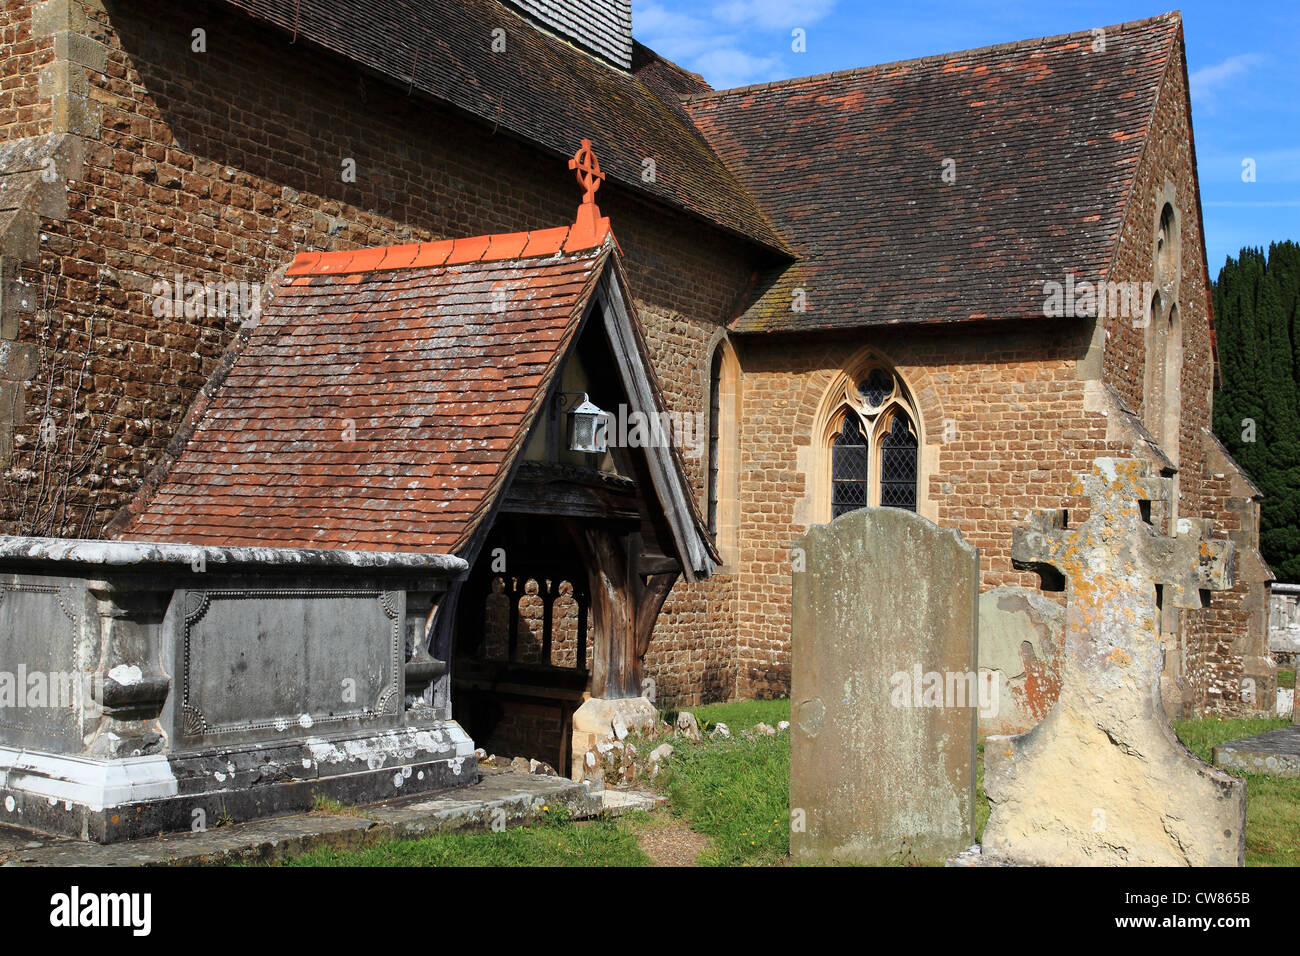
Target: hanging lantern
(587,427)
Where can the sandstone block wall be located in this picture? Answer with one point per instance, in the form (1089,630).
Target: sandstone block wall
(1219,645)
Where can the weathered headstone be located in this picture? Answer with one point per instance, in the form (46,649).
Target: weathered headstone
(1284,618)
(1103,780)
(1022,634)
(882,763)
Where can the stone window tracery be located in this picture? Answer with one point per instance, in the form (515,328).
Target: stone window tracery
(874,448)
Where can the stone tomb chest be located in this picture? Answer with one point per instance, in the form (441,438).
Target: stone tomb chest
(149,687)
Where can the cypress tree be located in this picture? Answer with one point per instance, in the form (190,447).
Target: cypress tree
(1257,320)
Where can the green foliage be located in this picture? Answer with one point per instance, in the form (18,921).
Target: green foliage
(331,807)
(1272,803)
(736,791)
(1257,321)
(741,715)
(1203,735)
(555,842)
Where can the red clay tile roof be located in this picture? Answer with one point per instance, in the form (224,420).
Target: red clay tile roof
(436,356)
(542,89)
(1045,135)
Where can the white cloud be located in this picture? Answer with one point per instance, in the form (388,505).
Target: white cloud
(773,14)
(727,67)
(675,35)
(1209,80)
(730,44)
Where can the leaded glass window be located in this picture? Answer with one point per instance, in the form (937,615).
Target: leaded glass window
(874,449)
(876,387)
(849,472)
(898,465)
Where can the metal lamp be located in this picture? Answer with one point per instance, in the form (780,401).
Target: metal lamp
(587,427)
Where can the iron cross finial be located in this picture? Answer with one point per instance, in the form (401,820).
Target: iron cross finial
(588,171)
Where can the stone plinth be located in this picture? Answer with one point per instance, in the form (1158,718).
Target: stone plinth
(1284,619)
(599,722)
(1275,753)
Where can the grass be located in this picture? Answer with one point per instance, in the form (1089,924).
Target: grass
(1285,678)
(1202,736)
(328,806)
(736,791)
(588,843)
(1272,803)
(739,715)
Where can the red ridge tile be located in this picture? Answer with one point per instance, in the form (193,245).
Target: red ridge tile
(508,245)
(366,260)
(432,253)
(468,250)
(545,242)
(334,262)
(303,264)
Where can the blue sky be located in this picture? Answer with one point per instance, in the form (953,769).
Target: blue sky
(1243,58)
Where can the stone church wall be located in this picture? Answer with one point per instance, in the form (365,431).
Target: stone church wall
(221,166)
(1004,426)
(1221,645)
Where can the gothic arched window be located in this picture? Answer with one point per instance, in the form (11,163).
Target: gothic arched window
(849,471)
(722,497)
(874,446)
(898,463)
(1162,386)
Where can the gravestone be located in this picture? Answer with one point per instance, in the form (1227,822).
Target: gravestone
(1021,637)
(883,695)
(1284,618)
(1103,780)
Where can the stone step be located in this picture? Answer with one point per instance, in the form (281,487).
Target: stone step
(1275,753)
(500,798)
(618,802)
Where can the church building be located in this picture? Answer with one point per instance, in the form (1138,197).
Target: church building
(309,275)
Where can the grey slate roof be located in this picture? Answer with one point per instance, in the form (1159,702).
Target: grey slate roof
(602,26)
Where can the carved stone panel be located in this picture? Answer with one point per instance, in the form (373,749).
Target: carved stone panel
(42,674)
(272,662)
